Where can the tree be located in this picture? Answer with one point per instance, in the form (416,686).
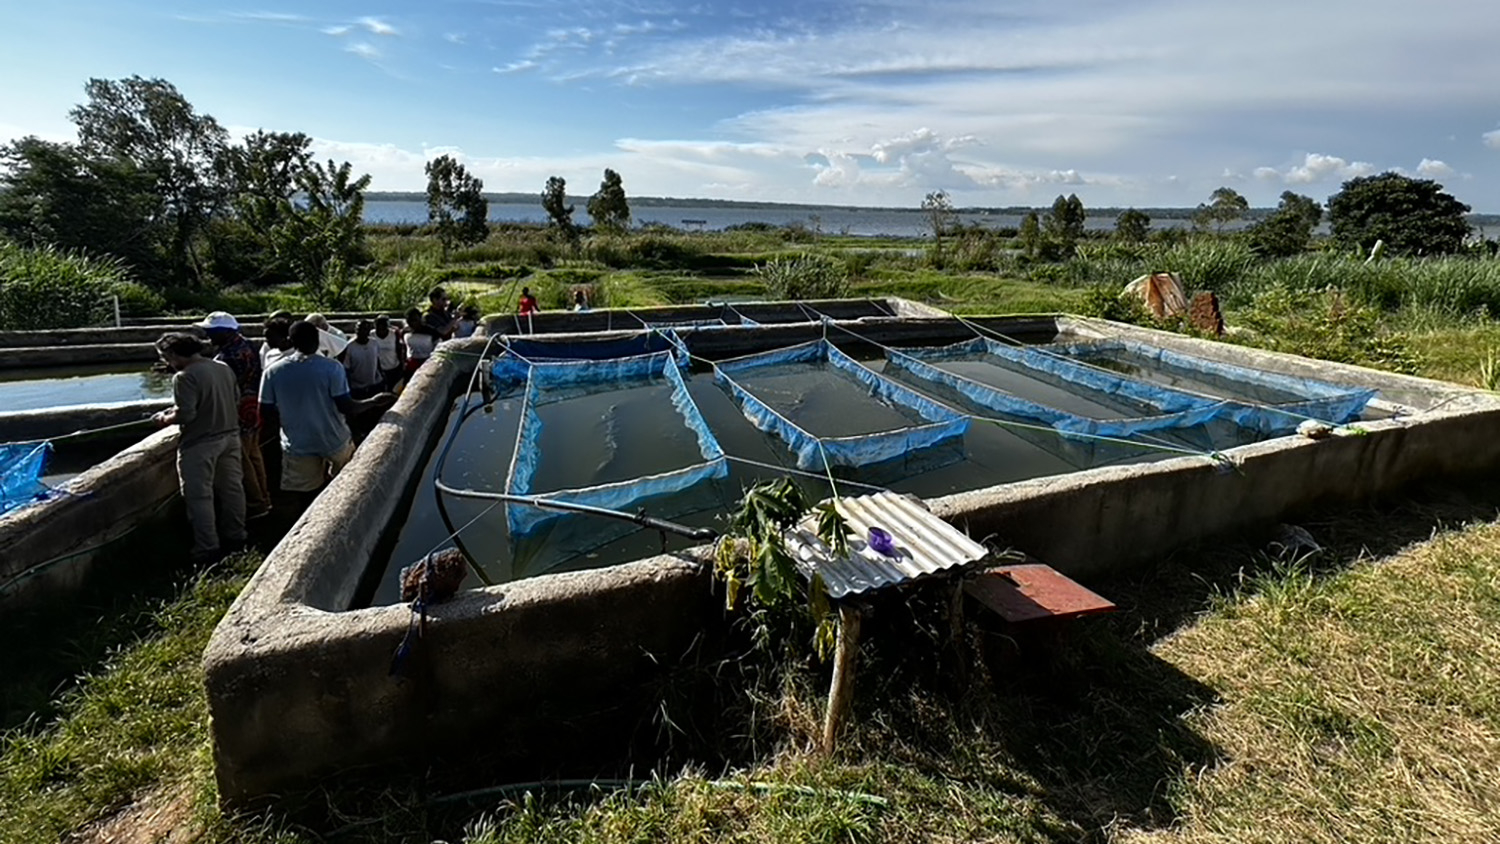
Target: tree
(1225,206)
(456,207)
(1288,229)
(608,207)
(1132,226)
(1030,235)
(1412,216)
(1063,227)
(53,194)
(555,203)
(324,235)
(262,176)
(149,124)
(940,217)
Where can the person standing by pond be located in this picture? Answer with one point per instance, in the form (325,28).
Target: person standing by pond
(205,401)
(392,352)
(527,305)
(420,341)
(440,317)
(362,362)
(308,394)
(234,351)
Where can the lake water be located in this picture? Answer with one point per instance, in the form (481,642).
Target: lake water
(863,222)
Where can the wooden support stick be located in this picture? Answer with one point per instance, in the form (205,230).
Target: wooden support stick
(841,691)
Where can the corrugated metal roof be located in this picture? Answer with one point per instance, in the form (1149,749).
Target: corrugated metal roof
(925,545)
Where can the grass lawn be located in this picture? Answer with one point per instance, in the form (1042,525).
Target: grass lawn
(1353,695)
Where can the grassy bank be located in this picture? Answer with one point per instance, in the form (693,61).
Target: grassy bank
(1239,696)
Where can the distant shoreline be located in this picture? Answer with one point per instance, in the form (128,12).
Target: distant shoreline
(508,198)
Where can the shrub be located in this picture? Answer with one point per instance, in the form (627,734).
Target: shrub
(807,276)
(42,288)
(1325,324)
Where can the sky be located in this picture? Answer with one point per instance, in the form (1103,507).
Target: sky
(1145,103)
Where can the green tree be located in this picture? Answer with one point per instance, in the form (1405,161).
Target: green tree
(1412,216)
(1132,226)
(456,207)
(1288,230)
(1030,235)
(324,236)
(608,207)
(149,124)
(263,176)
(1225,206)
(53,194)
(559,212)
(1063,226)
(940,218)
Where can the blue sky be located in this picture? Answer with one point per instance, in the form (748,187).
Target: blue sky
(999,102)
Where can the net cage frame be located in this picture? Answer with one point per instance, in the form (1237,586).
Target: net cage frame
(1180,409)
(557,380)
(823,453)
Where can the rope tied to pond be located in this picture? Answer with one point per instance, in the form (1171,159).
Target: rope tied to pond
(433,580)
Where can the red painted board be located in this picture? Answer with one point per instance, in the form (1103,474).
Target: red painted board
(1033,591)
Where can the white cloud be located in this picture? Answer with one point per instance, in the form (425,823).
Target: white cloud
(272,17)
(364,50)
(1492,139)
(453,37)
(515,67)
(336,31)
(1432,169)
(1316,167)
(376,26)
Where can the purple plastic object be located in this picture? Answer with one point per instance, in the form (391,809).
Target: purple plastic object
(882,542)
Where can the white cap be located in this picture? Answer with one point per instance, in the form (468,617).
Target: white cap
(220,319)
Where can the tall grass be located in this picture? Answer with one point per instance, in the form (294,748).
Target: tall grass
(45,287)
(1450,287)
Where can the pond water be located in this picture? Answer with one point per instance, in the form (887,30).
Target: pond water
(38,389)
(615,435)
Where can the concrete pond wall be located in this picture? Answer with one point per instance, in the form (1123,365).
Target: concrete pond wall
(51,549)
(546,672)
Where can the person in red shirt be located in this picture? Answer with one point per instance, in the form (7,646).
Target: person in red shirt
(528,305)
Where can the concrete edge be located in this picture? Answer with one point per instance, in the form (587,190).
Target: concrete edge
(98,506)
(50,422)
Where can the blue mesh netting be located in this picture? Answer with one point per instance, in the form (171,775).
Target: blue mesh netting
(513,366)
(988,397)
(21,466)
(815,452)
(554,382)
(1318,400)
(1180,409)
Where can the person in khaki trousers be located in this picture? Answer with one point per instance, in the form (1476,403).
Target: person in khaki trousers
(205,408)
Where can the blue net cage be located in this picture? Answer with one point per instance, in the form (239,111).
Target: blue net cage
(1178,409)
(942,424)
(557,381)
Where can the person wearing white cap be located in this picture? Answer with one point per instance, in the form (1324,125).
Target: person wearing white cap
(233,350)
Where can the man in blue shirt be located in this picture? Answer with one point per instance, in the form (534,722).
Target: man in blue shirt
(309,395)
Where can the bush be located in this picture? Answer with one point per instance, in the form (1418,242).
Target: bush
(43,288)
(1326,324)
(807,276)
(391,290)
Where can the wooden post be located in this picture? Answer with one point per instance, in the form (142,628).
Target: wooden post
(841,691)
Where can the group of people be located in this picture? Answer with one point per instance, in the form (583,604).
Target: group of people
(308,381)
